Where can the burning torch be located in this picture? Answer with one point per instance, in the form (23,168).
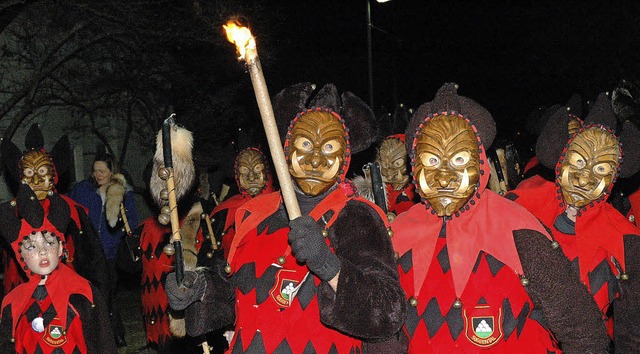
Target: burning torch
(246,46)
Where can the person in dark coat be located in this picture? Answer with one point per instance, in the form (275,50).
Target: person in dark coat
(325,282)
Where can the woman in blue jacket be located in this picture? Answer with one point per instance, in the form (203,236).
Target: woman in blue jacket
(102,194)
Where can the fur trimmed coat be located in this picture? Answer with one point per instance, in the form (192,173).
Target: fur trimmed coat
(368,304)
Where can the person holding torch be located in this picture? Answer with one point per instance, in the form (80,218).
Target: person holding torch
(323,282)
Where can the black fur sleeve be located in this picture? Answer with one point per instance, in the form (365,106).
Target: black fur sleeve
(567,306)
(217,308)
(6,347)
(369,301)
(90,261)
(626,314)
(96,327)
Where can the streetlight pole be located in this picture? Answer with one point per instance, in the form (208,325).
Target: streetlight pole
(370,49)
(370,53)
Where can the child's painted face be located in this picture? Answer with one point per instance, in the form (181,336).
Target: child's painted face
(41,252)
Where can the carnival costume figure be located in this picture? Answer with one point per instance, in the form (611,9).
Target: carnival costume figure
(479,271)
(55,310)
(40,170)
(324,282)
(602,244)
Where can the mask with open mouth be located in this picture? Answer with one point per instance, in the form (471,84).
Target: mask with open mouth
(393,160)
(447,163)
(36,170)
(589,166)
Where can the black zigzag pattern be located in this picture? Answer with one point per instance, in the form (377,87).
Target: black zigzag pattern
(433,319)
(511,322)
(601,275)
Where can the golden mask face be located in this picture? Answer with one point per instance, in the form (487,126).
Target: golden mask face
(447,163)
(251,172)
(392,158)
(588,166)
(316,152)
(574,125)
(37,172)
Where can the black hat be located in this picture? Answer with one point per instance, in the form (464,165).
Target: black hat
(358,118)
(447,101)
(34,141)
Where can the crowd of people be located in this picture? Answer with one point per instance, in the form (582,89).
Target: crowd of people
(450,249)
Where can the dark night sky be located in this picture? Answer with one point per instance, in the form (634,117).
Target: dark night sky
(511,56)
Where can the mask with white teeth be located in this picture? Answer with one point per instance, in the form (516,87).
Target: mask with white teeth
(447,163)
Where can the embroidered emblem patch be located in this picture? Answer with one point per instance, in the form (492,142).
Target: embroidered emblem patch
(54,334)
(483,325)
(286,285)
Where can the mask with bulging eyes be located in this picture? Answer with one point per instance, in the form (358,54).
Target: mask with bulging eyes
(392,157)
(316,151)
(447,163)
(589,166)
(36,170)
(251,172)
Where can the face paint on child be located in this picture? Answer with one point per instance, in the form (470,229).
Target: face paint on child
(41,252)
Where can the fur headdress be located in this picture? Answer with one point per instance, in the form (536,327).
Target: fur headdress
(34,141)
(184,171)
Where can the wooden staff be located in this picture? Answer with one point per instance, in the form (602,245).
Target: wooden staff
(166,174)
(246,46)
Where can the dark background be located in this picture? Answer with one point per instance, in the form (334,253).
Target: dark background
(140,61)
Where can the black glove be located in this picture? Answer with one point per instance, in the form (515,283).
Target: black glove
(309,247)
(192,290)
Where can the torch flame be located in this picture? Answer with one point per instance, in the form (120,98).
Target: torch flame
(241,37)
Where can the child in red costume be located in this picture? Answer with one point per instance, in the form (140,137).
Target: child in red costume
(56,310)
(40,170)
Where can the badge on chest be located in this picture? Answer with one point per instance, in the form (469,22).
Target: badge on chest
(483,325)
(54,334)
(287,283)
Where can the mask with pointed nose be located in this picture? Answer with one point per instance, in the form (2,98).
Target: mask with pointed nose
(446,164)
(589,166)
(316,152)
(36,170)
(251,172)
(392,157)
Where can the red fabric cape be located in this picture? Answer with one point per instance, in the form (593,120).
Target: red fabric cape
(486,223)
(60,284)
(597,226)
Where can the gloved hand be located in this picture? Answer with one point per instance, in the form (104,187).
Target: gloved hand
(194,285)
(309,246)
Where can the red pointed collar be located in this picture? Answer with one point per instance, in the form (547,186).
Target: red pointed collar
(60,284)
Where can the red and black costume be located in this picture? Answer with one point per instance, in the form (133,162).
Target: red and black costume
(280,306)
(602,244)
(72,314)
(84,250)
(487,277)
(223,216)
(165,328)
(156,264)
